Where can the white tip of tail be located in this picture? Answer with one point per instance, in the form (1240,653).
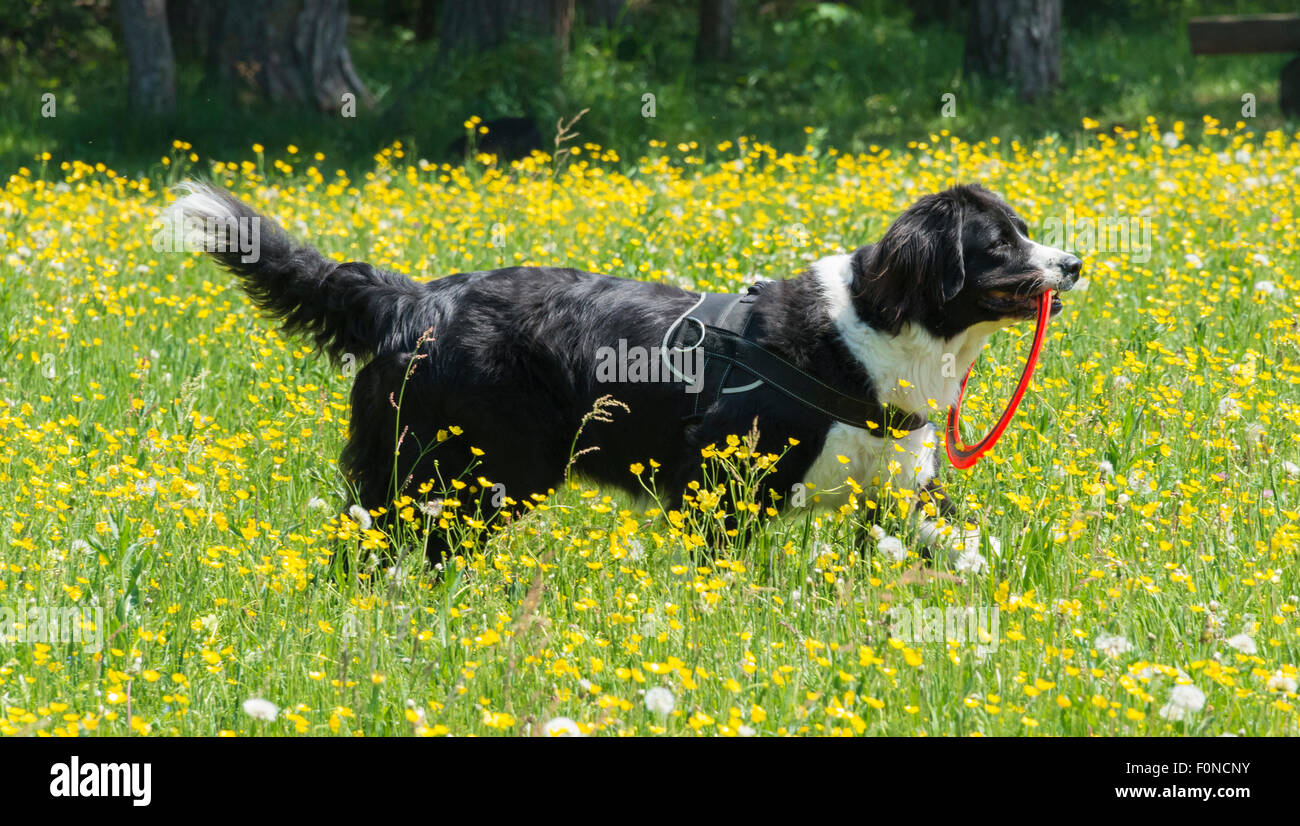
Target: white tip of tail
(194,217)
(202,221)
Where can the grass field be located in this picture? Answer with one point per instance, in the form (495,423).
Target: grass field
(167,464)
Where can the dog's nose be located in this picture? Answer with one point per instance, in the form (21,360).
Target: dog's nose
(1070,266)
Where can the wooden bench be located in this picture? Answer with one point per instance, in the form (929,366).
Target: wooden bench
(1254,34)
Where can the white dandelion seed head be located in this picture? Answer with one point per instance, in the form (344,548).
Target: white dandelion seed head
(317,504)
(1229,408)
(1261,259)
(1112,645)
(1183,700)
(1281,681)
(1193,260)
(432,508)
(635,549)
(660,700)
(877,532)
(562,727)
(361,516)
(1106,468)
(817,550)
(1169,140)
(1244,643)
(260,709)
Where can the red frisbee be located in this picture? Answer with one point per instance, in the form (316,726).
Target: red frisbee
(965,456)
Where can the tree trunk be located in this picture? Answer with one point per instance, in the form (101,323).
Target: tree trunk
(466,25)
(152,84)
(289,51)
(601,12)
(1018,41)
(469,25)
(192,25)
(562,24)
(426,16)
(717,23)
(1288,95)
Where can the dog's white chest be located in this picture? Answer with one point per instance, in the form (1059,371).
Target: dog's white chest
(852,452)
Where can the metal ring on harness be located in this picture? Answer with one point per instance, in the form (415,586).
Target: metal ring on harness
(672,329)
(698,342)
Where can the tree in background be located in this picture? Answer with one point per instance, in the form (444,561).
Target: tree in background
(1016,41)
(601,12)
(717,25)
(288,51)
(465,26)
(487,22)
(151,88)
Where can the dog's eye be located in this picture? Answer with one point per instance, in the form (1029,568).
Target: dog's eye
(1003,243)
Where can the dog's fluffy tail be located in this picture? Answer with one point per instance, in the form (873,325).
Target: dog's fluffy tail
(348,308)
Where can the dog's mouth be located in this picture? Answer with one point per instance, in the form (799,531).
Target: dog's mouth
(1017,303)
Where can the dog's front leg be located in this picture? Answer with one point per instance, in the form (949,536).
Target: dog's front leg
(941,526)
(935,502)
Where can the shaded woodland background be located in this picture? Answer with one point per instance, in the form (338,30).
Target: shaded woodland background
(347,78)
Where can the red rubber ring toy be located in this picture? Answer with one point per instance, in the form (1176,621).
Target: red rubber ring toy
(963,456)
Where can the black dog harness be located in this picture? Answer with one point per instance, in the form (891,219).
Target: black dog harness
(722,324)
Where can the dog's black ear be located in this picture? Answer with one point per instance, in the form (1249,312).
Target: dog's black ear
(918,266)
(952,268)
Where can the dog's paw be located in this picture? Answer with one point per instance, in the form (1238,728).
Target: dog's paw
(964,547)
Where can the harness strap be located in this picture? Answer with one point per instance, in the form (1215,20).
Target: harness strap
(730,352)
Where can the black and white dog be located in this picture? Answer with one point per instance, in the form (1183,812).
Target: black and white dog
(517,357)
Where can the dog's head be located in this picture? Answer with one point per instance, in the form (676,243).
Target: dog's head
(955,259)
